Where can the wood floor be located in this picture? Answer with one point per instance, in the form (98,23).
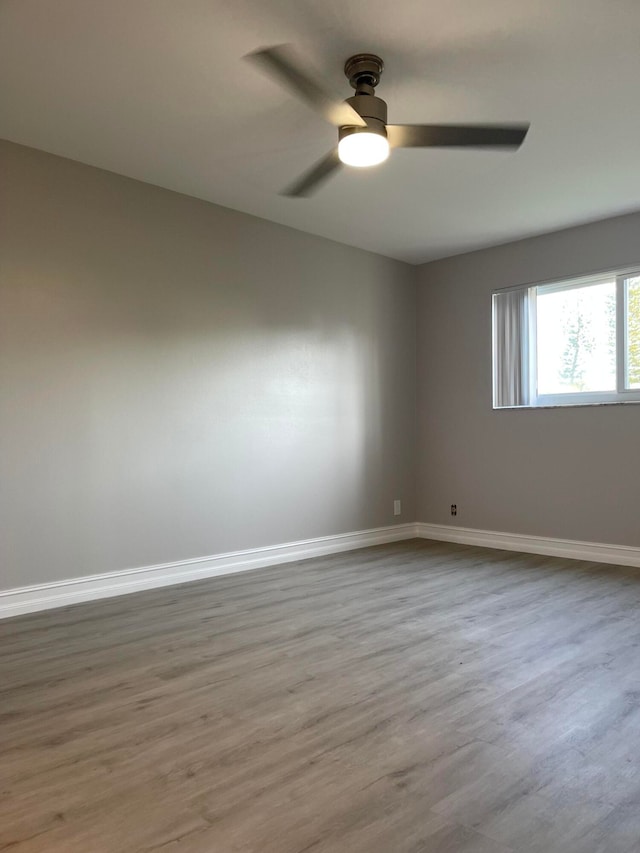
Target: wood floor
(407,698)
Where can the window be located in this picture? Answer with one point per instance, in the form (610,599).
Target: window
(568,343)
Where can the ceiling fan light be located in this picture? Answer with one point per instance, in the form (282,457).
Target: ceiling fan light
(363,148)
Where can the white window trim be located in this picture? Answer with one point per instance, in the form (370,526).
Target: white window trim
(532,343)
(622,394)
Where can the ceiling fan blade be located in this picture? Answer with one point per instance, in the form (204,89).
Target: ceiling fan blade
(281,63)
(456,135)
(317,174)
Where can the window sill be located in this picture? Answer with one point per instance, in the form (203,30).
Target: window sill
(567,406)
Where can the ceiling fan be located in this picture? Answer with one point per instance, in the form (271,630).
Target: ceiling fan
(364,137)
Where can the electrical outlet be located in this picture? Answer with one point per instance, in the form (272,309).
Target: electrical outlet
(454,509)
(397,507)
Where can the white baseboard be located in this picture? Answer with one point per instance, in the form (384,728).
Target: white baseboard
(28,599)
(620,555)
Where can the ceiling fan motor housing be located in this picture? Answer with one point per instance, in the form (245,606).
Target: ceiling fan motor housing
(371,108)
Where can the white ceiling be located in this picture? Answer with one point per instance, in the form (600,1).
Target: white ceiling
(158,90)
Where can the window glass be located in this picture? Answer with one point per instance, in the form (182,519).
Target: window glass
(633,332)
(576,339)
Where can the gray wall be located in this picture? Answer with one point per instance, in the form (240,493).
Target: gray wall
(179,380)
(572,473)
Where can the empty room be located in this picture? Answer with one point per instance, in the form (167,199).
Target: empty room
(319,426)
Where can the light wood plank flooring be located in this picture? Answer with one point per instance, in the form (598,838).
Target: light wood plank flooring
(407,698)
